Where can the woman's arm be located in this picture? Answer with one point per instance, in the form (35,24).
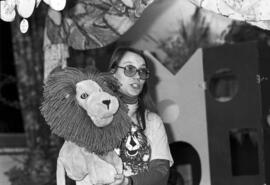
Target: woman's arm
(157,136)
(157,174)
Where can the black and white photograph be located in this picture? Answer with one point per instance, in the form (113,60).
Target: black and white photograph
(134,92)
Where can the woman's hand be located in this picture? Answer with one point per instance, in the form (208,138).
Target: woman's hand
(120,179)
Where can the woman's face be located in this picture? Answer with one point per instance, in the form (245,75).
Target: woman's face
(131,86)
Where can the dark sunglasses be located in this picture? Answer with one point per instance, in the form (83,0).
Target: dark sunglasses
(131,70)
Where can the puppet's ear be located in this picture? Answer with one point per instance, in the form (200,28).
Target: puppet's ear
(90,70)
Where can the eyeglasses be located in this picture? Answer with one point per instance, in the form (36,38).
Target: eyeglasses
(131,70)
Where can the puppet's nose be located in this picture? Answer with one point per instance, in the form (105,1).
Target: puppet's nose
(107,102)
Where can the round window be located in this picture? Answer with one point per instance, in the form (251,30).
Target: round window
(223,85)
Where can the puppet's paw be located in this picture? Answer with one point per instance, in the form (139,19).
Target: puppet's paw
(105,174)
(99,170)
(113,158)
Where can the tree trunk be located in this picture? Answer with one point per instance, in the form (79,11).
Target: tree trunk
(28,57)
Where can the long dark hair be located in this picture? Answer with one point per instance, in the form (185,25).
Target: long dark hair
(145,101)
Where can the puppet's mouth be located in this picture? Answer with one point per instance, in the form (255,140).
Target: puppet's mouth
(107,116)
(102,122)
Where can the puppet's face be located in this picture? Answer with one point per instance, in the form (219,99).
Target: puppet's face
(99,105)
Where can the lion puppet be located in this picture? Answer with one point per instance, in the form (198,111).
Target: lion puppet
(83,108)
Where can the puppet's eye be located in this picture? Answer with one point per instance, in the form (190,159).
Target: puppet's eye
(84,95)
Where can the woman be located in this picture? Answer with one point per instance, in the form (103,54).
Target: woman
(145,151)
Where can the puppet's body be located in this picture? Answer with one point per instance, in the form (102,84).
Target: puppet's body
(85,167)
(83,109)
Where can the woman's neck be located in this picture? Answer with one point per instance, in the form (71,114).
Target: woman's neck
(132,109)
(132,103)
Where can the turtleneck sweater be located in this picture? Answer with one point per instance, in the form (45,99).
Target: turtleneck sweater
(129,99)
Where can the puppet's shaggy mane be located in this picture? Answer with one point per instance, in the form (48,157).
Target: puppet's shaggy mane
(68,120)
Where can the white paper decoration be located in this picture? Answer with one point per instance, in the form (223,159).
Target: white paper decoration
(57,5)
(25,9)
(7,11)
(24,25)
